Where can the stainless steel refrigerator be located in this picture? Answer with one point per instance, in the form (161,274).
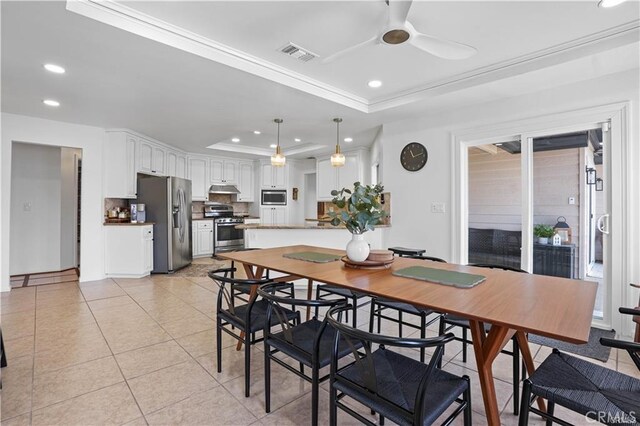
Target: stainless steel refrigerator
(168,204)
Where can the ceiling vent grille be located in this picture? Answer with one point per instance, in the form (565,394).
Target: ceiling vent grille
(297,52)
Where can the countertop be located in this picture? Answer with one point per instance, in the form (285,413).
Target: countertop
(128,224)
(297,226)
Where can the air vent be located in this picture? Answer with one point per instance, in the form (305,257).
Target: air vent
(297,52)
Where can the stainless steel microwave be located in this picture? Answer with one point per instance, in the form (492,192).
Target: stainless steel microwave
(274,197)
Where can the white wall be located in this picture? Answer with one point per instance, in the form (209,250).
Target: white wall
(35,209)
(413,192)
(296,180)
(46,132)
(68,207)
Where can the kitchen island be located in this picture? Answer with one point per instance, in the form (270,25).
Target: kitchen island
(268,236)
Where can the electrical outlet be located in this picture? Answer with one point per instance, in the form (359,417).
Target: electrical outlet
(437,208)
(572,200)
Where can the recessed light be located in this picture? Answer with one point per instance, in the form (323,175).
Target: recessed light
(498,144)
(51,103)
(374,84)
(235,139)
(54,68)
(348,139)
(297,140)
(256,132)
(273,145)
(610,3)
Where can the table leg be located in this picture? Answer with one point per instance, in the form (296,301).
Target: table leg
(486,348)
(251,275)
(523,343)
(309,296)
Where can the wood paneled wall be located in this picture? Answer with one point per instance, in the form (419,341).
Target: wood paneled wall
(495,190)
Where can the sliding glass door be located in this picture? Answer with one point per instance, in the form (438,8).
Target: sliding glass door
(538,201)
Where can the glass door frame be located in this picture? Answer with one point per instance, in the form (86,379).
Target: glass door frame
(525,130)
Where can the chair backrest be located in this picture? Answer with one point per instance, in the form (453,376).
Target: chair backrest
(279,304)
(492,266)
(354,337)
(224,278)
(431,258)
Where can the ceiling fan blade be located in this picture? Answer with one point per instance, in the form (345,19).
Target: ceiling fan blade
(442,48)
(343,52)
(398,11)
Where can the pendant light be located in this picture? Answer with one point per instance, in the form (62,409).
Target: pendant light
(277,159)
(337,158)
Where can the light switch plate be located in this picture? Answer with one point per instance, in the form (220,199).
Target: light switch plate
(437,208)
(27,206)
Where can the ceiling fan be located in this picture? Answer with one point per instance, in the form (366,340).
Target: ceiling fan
(398,30)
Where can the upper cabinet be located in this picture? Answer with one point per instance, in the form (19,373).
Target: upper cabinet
(329,178)
(273,177)
(198,172)
(223,171)
(128,153)
(176,164)
(119,159)
(245,182)
(152,158)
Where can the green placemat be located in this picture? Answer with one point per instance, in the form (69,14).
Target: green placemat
(312,256)
(441,276)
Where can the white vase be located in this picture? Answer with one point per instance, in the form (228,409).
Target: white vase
(357,248)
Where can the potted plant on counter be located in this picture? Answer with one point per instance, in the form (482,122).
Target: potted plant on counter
(543,232)
(360,211)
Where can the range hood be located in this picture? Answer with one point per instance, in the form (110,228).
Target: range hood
(223,189)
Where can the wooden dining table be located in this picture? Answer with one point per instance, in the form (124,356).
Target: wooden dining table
(512,303)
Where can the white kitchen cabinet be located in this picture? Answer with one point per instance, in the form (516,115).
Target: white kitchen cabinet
(202,238)
(329,178)
(273,215)
(128,250)
(273,177)
(198,173)
(181,166)
(176,164)
(119,160)
(223,171)
(245,183)
(151,158)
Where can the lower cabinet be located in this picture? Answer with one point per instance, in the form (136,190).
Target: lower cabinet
(128,250)
(273,215)
(202,238)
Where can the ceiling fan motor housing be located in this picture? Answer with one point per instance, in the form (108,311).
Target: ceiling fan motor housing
(397,36)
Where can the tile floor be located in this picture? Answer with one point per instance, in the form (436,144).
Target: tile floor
(136,352)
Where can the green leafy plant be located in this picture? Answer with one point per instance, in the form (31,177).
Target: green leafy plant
(543,231)
(360,208)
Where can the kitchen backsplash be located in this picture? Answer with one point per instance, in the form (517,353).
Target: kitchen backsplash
(241,209)
(325,207)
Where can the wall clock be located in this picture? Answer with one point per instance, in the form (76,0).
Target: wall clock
(414,156)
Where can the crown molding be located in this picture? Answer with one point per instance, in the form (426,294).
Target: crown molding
(120,16)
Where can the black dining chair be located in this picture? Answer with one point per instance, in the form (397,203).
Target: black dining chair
(328,292)
(381,307)
(249,318)
(309,343)
(593,390)
(404,390)
(449,322)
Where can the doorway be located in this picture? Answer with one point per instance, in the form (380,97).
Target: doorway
(610,120)
(45,211)
(310,197)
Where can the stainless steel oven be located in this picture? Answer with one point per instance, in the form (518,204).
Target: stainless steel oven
(226,236)
(274,197)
